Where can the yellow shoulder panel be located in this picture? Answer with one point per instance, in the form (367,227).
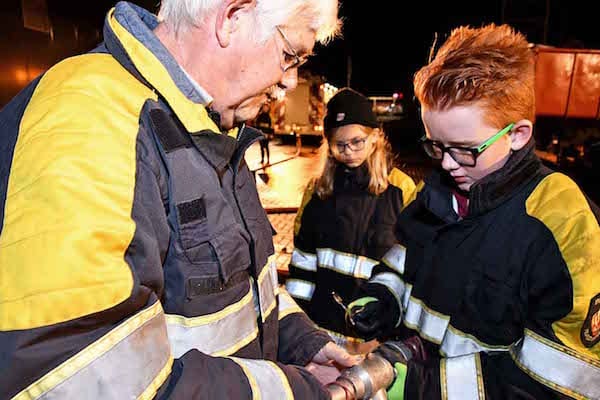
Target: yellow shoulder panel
(403,182)
(192,115)
(560,205)
(70,193)
(308,192)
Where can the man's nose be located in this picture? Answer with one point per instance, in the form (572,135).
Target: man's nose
(289,80)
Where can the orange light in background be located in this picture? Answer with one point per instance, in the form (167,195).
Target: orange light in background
(24,75)
(21,76)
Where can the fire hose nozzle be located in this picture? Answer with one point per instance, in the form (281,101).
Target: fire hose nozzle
(364,380)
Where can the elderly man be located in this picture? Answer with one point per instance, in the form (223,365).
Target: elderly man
(135,256)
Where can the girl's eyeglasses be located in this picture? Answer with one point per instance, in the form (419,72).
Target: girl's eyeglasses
(356,144)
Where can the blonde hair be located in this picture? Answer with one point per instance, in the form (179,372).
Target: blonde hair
(492,66)
(378,164)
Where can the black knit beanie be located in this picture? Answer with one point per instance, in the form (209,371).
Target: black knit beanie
(346,107)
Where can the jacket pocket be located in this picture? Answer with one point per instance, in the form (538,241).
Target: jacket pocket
(213,250)
(494,308)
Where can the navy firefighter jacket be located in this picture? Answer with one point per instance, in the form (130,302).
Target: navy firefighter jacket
(136,260)
(506,299)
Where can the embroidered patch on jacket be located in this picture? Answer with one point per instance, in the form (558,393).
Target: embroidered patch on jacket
(590,331)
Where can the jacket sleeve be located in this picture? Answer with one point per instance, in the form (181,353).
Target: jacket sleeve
(558,355)
(385,283)
(300,283)
(82,242)
(299,338)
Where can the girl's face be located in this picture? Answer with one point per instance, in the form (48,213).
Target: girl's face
(351,144)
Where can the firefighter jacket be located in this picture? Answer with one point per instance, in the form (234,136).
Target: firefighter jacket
(135,256)
(339,240)
(507,299)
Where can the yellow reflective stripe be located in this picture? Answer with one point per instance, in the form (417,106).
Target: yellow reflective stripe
(345,263)
(193,116)
(287,305)
(462,378)
(98,371)
(68,223)
(404,182)
(267,380)
(558,367)
(560,205)
(217,334)
(308,192)
(268,287)
(443,379)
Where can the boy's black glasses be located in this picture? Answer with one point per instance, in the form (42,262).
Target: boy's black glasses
(465,156)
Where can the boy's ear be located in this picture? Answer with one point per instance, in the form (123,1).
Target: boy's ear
(520,134)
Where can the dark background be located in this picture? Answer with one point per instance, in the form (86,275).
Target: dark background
(383,42)
(387,41)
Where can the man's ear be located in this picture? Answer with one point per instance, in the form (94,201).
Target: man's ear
(228,18)
(520,134)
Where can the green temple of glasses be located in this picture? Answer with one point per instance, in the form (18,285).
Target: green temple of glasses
(494,138)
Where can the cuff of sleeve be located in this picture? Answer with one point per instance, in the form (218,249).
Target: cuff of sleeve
(312,346)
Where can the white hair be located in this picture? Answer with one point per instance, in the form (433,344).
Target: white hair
(319,15)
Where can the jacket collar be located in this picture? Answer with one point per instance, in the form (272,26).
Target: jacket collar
(499,186)
(349,179)
(131,28)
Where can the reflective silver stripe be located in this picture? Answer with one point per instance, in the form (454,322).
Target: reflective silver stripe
(287,305)
(435,327)
(395,285)
(129,362)
(305,261)
(300,289)
(218,334)
(432,326)
(268,287)
(406,296)
(267,380)
(395,258)
(457,343)
(346,263)
(463,378)
(561,368)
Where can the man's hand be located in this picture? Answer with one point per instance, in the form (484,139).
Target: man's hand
(330,361)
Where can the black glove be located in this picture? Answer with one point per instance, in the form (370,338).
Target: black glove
(374,316)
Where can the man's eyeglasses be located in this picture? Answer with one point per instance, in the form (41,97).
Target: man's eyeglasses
(465,156)
(291,59)
(356,144)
